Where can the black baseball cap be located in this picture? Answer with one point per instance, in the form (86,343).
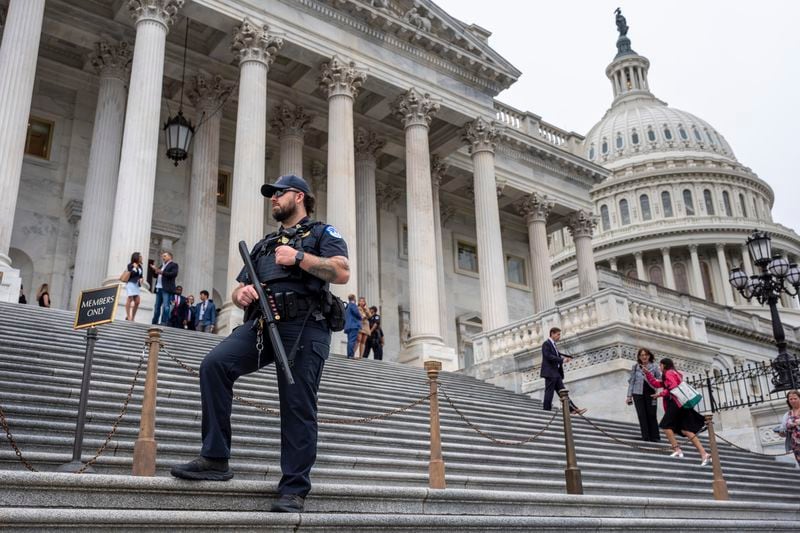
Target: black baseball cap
(289,181)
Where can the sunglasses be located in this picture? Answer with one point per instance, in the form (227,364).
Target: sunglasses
(281,192)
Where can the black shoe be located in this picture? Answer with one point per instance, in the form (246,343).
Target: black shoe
(203,468)
(288,503)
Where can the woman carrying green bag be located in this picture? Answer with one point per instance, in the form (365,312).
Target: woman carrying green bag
(687,421)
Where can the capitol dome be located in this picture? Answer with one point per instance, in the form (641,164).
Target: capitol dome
(640,127)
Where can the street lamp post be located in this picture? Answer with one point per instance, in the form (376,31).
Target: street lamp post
(777,276)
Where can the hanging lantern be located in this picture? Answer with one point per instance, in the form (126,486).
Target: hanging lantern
(179,133)
(760,247)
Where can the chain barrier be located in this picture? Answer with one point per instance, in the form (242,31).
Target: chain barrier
(110,435)
(275,412)
(656,449)
(500,442)
(720,437)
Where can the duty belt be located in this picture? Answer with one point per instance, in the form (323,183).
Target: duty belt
(291,305)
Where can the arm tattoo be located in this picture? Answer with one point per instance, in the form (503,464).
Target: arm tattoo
(326,269)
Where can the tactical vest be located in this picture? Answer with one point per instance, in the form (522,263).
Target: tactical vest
(304,237)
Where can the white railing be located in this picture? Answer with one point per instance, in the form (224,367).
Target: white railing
(532,125)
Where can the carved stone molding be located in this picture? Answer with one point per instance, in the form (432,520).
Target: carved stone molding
(368,145)
(447,213)
(161,11)
(417,17)
(338,77)
(414,109)
(254,43)
(438,170)
(319,181)
(207,92)
(288,121)
(480,136)
(581,223)
(388,195)
(535,208)
(500,186)
(112,59)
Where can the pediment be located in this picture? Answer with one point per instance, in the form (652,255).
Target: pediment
(424,26)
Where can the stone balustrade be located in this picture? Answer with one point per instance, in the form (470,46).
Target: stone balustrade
(533,126)
(659,319)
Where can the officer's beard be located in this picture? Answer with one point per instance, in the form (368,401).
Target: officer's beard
(280,214)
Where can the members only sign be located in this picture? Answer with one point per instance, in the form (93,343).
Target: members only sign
(96,306)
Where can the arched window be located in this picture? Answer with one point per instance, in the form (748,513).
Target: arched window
(604,146)
(620,141)
(651,135)
(682,133)
(709,201)
(710,138)
(666,203)
(688,202)
(726,199)
(697,135)
(605,219)
(624,213)
(591,153)
(656,275)
(644,204)
(755,207)
(743,204)
(681,281)
(667,133)
(635,137)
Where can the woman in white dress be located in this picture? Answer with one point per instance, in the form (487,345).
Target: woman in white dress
(133,286)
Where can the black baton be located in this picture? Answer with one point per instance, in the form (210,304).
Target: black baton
(272,326)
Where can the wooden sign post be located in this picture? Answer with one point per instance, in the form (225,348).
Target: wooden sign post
(95,307)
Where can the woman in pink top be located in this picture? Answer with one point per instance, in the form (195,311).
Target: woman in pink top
(676,418)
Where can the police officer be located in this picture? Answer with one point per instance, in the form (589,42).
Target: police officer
(296,263)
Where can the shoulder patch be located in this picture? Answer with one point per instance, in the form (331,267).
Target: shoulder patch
(332,232)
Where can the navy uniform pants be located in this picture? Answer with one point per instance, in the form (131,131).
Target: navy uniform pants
(236,356)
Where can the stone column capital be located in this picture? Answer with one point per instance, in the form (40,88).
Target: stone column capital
(207,92)
(581,223)
(438,170)
(368,145)
(413,108)
(535,208)
(693,248)
(720,246)
(388,195)
(161,11)
(339,77)
(252,42)
(665,251)
(638,254)
(500,186)
(287,121)
(480,136)
(112,59)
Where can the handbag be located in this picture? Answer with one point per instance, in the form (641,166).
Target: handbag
(125,276)
(685,395)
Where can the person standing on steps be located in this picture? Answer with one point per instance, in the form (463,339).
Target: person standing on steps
(676,418)
(297,263)
(640,394)
(165,288)
(790,425)
(553,371)
(206,313)
(352,325)
(43,295)
(375,341)
(133,286)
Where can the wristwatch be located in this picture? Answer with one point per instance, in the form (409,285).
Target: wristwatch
(298,258)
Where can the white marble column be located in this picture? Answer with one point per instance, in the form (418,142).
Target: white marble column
(438,171)
(697,276)
(612,262)
(581,225)
(723,274)
(747,265)
(290,125)
(255,48)
(481,139)
(367,148)
(340,81)
(133,204)
(319,186)
(536,208)
(207,94)
(112,62)
(641,273)
(669,276)
(18,54)
(415,111)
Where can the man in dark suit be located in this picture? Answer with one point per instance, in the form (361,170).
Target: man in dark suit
(165,288)
(553,371)
(178,309)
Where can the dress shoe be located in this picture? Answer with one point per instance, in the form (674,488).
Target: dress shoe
(706,460)
(677,453)
(203,469)
(288,503)
(577,411)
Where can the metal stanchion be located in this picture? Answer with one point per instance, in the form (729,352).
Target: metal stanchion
(572,473)
(436,465)
(719,486)
(77,446)
(144,450)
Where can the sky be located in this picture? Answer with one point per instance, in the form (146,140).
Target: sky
(733,63)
